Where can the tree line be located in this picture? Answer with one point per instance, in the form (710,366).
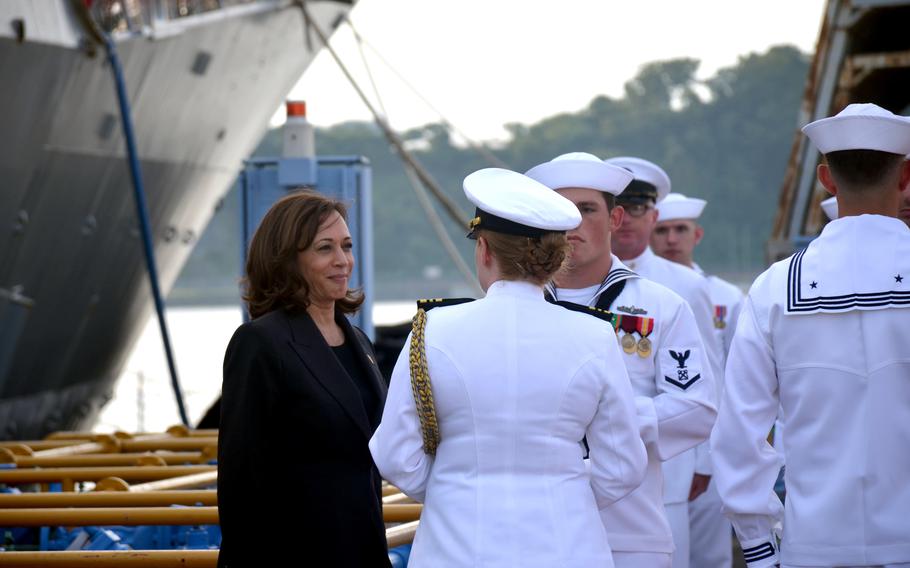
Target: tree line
(725,139)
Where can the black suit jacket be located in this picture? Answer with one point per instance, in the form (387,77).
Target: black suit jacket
(293,445)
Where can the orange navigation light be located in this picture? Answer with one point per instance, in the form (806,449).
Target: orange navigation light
(296,108)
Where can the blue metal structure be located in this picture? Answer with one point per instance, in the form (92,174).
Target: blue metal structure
(165,537)
(400,555)
(347,178)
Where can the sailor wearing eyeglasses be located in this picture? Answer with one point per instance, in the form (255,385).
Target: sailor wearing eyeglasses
(687,476)
(663,350)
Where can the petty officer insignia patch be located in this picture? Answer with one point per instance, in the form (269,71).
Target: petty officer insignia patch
(684,375)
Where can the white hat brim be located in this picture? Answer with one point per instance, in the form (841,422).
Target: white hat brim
(521,200)
(881,133)
(644,170)
(562,174)
(687,208)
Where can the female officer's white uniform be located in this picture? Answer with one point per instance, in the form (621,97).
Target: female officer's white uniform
(825,335)
(517,383)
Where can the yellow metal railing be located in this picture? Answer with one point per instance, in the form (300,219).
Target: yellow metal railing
(138,477)
(107,499)
(112,559)
(402,534)
(137,473)
(96,460)
(193,481)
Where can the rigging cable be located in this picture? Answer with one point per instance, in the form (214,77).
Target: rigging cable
(455,213)
(423,199)
(440,230)
(479,147)
(366,65)
(138,193)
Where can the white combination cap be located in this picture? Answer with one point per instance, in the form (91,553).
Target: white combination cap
(678,206)
(829,206)
(861,126)
(511,203)
(580,169)
(651,181)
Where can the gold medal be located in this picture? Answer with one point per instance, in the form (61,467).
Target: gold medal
(719,323)
(644,347)
(628,343)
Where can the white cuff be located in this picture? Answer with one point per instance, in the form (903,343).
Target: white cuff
(760,553)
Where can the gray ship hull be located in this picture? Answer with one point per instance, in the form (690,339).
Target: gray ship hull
(74,293)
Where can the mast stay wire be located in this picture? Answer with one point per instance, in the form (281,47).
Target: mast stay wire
(440,230)
(366,65)
(417,176)
(422,198)
(452,209)
(478,147)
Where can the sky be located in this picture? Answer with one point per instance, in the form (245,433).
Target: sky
(484,63)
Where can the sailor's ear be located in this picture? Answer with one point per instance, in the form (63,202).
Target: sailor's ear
(826,179)
(905,175)
(616,216)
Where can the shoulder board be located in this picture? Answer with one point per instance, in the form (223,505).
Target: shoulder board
(429,304)
(590,310)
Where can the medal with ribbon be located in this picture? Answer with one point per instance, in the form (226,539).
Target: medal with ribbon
(644,327)
(720,315)
(628,325)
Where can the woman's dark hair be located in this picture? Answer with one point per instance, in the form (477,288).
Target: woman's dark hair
(273,280)
(525,258)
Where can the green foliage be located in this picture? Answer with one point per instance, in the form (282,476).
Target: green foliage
(725,139)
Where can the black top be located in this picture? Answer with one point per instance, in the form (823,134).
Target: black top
(348,360)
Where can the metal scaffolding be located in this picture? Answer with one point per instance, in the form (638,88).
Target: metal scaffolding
(862,55)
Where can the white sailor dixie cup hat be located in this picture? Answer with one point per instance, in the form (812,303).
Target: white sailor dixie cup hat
(678,206)
(861,126)
(583,170)
(651,181)
(829,206)
(511,203)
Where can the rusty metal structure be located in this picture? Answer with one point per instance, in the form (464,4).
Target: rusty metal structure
(862,55)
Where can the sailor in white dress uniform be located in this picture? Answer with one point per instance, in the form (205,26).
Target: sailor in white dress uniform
(675,237)
(518,383)
(829,206)
(824,334)
(631,244)
(663,351)
(903,211)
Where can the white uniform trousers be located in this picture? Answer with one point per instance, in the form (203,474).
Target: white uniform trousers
(641,559)
(710,533)
(678,517)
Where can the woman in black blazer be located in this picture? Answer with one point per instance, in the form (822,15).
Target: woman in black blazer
(301,397)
